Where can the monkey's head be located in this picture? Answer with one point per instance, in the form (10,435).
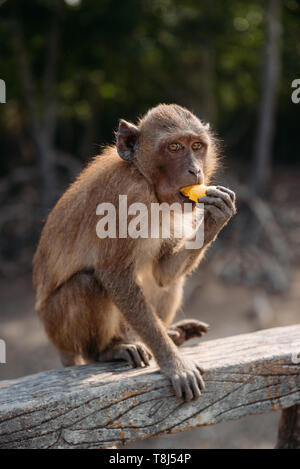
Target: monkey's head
(171,148)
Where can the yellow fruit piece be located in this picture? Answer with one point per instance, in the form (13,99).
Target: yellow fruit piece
(194,192)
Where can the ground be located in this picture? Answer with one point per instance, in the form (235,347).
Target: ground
(227,308)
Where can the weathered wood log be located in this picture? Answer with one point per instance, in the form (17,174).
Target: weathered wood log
(289,429)
(101,405)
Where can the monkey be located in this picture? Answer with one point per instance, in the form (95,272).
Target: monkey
(115,298)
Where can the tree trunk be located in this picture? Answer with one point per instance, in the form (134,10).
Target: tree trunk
(42,130)
(270,79)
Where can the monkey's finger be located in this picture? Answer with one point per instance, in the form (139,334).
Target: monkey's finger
(218,202)
(203,326)
(187,324)
(178,336)
(144,355)
(194,385)
(214,192)
(128,358)
(229,191)
(195,328)
(200,381)
(173,334)
(177,386)
(137,360)
(199,378)
(193,332)
(149,354)
(188,394)
(208,200)
(200,369)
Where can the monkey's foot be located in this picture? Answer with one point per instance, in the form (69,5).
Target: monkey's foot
(186,329)
(136,354)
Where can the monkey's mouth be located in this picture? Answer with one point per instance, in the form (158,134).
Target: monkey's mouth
(185,199)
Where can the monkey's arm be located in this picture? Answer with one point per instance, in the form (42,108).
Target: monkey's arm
(219,207)
(129,298)
(172,265)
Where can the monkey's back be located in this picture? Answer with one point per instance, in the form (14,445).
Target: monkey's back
(69,243)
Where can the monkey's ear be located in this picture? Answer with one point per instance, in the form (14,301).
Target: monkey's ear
(127,140)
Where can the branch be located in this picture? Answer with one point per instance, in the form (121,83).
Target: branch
(101,405)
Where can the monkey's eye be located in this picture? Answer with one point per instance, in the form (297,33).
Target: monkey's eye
(174,147)
(197,146)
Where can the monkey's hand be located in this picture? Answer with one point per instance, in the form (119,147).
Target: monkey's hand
(219,207)
(186,329)
(185,376)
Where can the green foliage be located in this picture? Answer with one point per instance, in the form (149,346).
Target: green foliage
(118,58)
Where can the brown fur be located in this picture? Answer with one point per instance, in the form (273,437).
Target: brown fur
(92,293)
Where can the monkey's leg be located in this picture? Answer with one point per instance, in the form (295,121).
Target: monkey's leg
(186,329)
(71,359)
(126,347)
(167,304)
(165,301)
(80,319)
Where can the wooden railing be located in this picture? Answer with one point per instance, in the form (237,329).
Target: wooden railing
(102,405)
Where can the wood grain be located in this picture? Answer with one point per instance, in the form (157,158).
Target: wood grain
(101,405)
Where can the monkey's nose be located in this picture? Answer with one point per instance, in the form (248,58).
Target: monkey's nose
(196,172)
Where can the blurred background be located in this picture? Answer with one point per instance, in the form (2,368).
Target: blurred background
(72,68)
